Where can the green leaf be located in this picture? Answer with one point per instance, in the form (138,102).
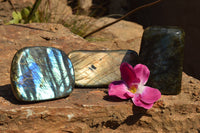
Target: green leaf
(36,17)
(25,12)
(16,15)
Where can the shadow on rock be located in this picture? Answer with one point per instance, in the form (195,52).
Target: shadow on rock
(138,112)
(6,92)
(33,28)
(112,99)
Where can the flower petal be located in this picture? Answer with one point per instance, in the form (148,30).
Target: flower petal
(150,95)
(137,101)
(142,72)
(119,89)
(128,74)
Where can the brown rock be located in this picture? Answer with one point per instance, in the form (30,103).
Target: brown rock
(85,110)
(198,109)
(123,34)
(56,10)
(85,5)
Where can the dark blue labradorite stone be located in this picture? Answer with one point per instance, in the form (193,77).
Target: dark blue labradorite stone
(162,51)
(41,73)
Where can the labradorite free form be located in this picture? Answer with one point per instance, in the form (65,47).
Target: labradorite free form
(162,51)
(98,68)
(41,73)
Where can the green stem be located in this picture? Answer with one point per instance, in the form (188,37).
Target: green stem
(34,9)
(9,1)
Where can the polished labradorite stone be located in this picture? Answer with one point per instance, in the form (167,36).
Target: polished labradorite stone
(162,51)
(100,68)
(41,73)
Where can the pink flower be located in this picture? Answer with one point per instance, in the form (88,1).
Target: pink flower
(132,86)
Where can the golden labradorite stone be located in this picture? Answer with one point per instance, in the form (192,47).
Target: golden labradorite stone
(100,68)
(41,73)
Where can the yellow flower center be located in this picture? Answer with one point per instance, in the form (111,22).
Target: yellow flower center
(133,89)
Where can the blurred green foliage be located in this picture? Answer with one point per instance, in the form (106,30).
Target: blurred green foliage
(21,17)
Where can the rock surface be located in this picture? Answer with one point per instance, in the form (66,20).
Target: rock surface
(87,110)
(55,10)
(120,35)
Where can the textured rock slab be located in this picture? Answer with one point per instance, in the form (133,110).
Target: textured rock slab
(123,35)
(99,68)
(86,110)
(162,51)
(41,73)
(91,110)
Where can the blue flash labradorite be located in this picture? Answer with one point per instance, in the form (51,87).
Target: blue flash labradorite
(41,73)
